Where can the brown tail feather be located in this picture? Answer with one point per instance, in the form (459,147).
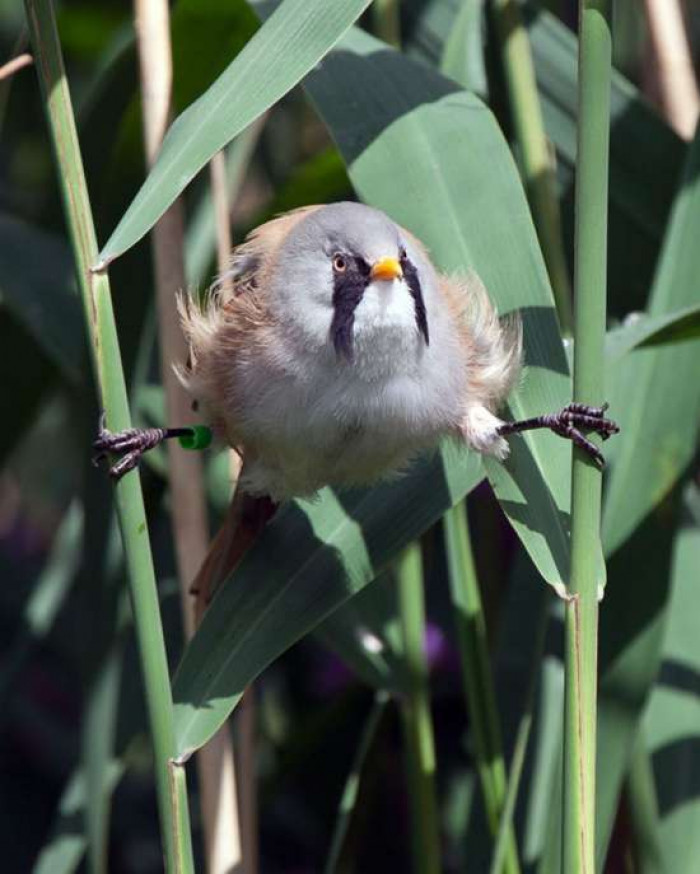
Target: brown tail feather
(245,519)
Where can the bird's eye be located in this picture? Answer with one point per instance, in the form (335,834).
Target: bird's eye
(402,254)
(340,265)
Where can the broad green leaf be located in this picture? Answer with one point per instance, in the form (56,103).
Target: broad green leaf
(325,551)
(36,284)
(658,403)
(639,139)
(292,41)
(435,160)
(644,330)
(672,720)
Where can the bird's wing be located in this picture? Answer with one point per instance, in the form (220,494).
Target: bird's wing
(231,327)
(494,346)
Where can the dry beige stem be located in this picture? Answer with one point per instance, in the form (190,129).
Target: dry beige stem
(672,76)
(190,524)
(11,67)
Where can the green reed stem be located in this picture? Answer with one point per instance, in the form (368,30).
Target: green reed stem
(95,291)
(522,739)
(581,621)
(535,159)
(476,673)
(415,711)
(351,790)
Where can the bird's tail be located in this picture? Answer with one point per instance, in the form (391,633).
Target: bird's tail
(245,519)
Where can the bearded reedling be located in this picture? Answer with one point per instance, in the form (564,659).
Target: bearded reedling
(339,354)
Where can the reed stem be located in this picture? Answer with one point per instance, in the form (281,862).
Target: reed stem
(581,620)
(534,150)
(106,359)
(415,711)
(190,526)
(476,673)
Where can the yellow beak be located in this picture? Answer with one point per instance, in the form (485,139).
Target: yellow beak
(386,268)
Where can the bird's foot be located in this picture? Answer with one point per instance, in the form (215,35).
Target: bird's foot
(574,417)
(568,423)
(130,444)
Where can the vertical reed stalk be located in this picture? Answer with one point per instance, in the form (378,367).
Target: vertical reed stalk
(217,775)
(535,158)
(351,790)
(189,516)
(95,292)
(581,621)
(415,711)
(670,64)
(476,673)
(246,713)
(522,739)
(218,183)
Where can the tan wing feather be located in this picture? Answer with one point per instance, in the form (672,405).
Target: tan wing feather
(232,326)
(494,346)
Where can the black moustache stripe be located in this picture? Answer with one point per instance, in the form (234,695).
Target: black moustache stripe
(348,289)
(411,276)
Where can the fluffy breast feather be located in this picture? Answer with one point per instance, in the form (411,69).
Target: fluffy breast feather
(302,418)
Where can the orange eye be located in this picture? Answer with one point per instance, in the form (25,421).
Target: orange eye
(340,265)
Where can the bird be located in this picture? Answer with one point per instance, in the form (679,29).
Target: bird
(332,352)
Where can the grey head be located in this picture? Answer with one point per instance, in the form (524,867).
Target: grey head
(346,265)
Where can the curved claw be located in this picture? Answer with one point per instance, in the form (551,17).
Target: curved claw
(130,443)
(568,423)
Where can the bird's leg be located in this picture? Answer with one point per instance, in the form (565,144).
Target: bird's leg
(568,423)
(131,443)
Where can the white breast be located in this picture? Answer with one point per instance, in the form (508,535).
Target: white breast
(319,420)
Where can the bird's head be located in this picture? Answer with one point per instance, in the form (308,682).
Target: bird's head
(348,276)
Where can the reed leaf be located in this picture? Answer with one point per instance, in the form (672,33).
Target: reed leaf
(249,86)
